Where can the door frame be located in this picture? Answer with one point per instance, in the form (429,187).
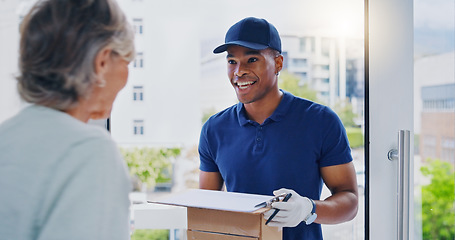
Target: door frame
(388,74)
(367,119)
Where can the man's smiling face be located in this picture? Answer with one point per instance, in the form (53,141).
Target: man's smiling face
(252,72)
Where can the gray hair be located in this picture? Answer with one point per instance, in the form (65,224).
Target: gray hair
(59,44)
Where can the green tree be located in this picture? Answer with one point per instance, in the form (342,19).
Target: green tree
(438,199)
(344,111)
(150,234)
(291,83)
(355,137)
(150,165)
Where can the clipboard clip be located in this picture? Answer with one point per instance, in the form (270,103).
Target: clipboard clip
(269,202)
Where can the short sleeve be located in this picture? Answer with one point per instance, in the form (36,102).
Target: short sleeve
(335,147)
(207,161)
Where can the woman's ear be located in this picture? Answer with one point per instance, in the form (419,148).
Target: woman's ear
(102,61)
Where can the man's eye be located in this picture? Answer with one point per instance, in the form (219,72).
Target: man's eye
(231,61)
(252,60)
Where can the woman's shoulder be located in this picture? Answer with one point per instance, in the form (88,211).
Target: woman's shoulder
(37,125)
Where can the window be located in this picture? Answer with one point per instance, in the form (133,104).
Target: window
(303,75)
(301,42)
(313,44)
(448,149)
(325,46)
(300,62)
(429,146)
(138,26)
(139,60)
(439,105)
(438,97)
(302,45)
(138,127)
(138,93)
(285,62)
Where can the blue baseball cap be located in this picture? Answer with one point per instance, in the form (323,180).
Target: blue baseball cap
(251,33)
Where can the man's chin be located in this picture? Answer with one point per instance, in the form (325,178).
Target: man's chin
(245,101)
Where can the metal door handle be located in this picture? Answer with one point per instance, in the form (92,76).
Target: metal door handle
(402,154)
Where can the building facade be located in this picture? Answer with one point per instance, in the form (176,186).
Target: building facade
(332,66)
(434,114)
(437,139)
(159,106)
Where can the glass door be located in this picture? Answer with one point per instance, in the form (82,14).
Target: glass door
(389,89)
(434,119)
(411,87)
(323,49)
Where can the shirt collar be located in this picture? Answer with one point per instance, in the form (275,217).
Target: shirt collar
(241,114)
(277,115)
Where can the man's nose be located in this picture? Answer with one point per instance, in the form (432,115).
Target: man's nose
(240,70)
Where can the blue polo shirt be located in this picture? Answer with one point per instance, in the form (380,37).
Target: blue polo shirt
(286,151)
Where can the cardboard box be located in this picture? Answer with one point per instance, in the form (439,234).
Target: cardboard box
(224,216)
(209,224)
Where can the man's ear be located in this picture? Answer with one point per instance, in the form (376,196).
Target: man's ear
(102,60)
(278,63)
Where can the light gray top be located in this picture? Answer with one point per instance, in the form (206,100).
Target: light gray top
(60,179)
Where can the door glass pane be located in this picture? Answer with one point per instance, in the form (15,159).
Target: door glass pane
(434,120)
(322,45)
(322,48)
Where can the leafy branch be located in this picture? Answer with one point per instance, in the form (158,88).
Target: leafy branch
(150,165)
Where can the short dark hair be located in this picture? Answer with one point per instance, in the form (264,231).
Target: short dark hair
(58,46)
(273,52)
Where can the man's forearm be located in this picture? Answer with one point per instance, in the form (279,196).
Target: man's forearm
(340,207)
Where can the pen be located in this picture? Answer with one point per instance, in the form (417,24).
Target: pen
(286,198)
(269,203)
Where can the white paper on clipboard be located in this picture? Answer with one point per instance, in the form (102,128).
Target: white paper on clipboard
(227,201)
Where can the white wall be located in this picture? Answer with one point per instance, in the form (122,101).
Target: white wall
(10,103)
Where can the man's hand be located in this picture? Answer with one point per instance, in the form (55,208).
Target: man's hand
(292,212)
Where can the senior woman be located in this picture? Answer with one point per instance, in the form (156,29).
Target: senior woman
(61,178)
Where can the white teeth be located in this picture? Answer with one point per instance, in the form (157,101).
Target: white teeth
(244,85)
